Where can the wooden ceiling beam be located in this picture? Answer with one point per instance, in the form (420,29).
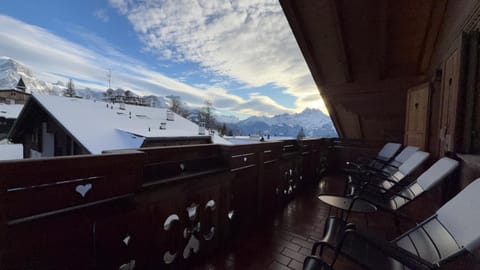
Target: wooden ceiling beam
(382,38)
(357,88)
(435,21)
(343,53)
(298,28)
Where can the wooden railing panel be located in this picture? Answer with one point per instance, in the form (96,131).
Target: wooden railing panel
(170,163)
(140,213)
(55,184)
(37,172)
(53,243)
(123,239)
(271,188)
(194,207)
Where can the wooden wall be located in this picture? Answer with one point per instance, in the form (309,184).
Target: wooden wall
(365,55)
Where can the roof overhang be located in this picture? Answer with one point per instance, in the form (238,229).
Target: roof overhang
(364,55)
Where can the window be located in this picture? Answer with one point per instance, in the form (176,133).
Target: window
(37,139)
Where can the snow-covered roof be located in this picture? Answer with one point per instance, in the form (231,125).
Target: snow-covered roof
(10,111)
(11,151)
(101,126)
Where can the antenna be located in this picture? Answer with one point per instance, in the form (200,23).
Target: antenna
(109,76)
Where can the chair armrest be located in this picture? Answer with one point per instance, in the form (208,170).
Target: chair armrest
(381,191)
(381,161)
(392,166)
(321,243)
(315,263)
(356,165)
(406,258)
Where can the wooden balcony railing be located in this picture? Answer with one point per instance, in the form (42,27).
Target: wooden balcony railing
(159,208)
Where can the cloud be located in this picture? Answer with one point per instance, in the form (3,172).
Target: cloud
(249,41)
(101,14)
(53,58)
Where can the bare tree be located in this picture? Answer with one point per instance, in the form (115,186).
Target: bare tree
(70,90)
(177,106)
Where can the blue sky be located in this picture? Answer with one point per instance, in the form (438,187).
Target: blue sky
(239,54)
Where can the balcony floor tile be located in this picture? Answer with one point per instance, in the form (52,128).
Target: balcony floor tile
(283,241)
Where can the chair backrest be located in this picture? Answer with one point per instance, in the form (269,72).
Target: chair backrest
(460,216)
(399,159)
(388,151)
(403,156)
(454,228)
(437,172)
(410,165)
(434,175)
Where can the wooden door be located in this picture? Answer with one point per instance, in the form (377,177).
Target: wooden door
(449,104)
(418,113)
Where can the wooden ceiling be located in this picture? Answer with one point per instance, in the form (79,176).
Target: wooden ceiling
(364,55)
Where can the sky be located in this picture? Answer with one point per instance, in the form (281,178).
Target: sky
(240,54)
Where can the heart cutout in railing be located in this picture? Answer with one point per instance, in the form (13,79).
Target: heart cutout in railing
(83,189)
(126,240)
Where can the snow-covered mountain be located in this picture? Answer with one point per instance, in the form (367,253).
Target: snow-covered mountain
(228,119)
(11,70)
(314,123)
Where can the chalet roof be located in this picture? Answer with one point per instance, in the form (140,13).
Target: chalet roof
(101,126)
(10,111)
(21,85)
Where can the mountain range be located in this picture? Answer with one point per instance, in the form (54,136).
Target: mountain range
(313,122)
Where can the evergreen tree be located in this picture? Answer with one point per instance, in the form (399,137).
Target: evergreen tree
(206,115)
(301,134)
(224,129)
(70,91)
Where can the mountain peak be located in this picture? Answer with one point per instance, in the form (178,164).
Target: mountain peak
(12,70)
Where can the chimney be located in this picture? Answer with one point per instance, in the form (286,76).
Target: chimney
(163,125)
(201,128)
(170,115)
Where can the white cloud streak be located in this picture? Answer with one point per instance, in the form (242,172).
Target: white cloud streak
(249,41)
(54,58)
(101,14)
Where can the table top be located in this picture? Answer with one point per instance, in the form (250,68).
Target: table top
(343,203)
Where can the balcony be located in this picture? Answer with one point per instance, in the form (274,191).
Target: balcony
(187,207)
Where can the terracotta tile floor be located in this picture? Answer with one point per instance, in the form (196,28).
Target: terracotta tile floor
(283,243)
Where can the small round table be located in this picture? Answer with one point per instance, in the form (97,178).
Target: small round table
(342,202)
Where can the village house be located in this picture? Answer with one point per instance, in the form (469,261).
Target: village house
(8,115)
(14,94)
(59,126)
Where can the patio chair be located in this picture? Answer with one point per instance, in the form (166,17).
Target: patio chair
(387,152)
(315,263)
(386,200)
(452,231)
(399,159)
(387,182)
(387,170)
(392,201)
